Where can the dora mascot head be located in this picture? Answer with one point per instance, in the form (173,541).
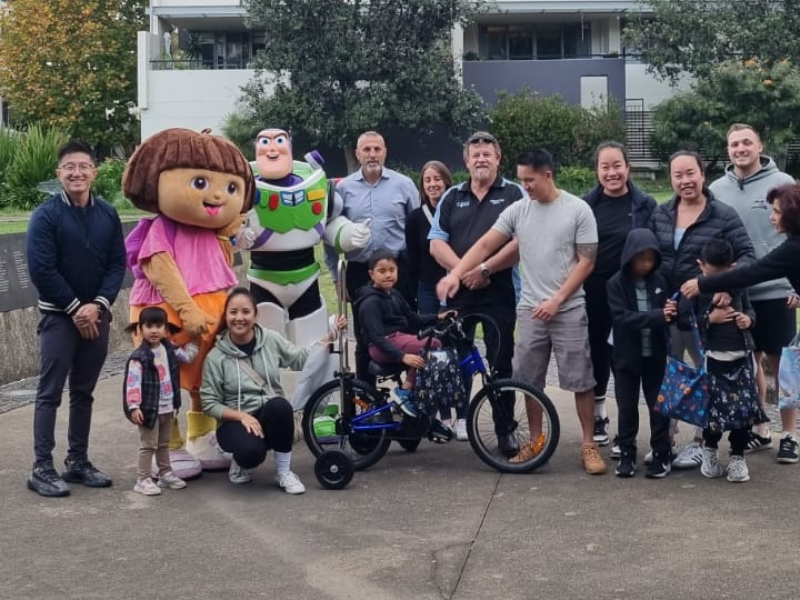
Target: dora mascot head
(193,178)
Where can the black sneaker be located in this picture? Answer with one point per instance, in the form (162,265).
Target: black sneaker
(439,432)
(46,481)
(600,431)
(82,471)
(627,465)
(659,467)
(757,442)
(787,451)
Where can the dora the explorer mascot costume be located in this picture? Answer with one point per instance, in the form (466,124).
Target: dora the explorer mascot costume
(200,186)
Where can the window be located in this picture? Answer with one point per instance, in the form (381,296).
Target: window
(528,42)
(520,43)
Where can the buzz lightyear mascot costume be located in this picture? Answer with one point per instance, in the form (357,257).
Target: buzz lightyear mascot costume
(296,207)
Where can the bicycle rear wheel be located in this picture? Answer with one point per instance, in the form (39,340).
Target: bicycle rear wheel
(506,405)
(327,422)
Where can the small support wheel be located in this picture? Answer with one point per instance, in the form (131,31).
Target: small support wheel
(334,469)
(409,444)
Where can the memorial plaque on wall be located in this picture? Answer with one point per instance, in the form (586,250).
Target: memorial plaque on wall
(16,288)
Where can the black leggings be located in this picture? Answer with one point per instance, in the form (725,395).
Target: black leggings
(737,437)
(249,450)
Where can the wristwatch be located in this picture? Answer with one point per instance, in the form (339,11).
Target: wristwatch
(485,270)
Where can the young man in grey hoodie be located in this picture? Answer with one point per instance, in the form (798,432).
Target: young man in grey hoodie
(744,187)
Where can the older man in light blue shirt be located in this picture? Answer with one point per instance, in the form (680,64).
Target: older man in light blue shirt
(386,198)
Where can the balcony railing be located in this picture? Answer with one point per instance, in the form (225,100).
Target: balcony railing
(201,64)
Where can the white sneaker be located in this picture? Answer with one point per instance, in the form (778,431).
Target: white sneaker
(710,466)
(690,457)
(737,470)
(170,481)
(290,483)
(461,430)
(239,475)
(147,487)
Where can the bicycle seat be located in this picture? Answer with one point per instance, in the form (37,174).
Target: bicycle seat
(381,370)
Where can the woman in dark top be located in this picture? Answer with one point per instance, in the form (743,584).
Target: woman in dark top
(434,181)
(618,207)
(683,226)
(783,261)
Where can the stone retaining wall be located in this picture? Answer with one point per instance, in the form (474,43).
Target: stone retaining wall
(20,344)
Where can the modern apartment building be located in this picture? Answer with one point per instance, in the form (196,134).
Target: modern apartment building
(197,55)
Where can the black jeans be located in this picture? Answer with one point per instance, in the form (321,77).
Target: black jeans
(599,328)
(626,387)
(249,451)
(64,353)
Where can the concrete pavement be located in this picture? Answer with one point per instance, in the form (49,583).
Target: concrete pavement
(430,525)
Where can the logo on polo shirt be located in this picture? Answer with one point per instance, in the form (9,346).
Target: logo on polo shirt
(760,203)
(494,201)
(462,204)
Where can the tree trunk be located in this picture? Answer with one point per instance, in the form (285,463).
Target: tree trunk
(350,159)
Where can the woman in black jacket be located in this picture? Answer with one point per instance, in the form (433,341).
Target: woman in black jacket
(781,262)
(618,207)
(683,226)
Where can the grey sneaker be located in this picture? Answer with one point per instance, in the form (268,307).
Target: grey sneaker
(238,475)
(46,481)
(737,470)
(710,466)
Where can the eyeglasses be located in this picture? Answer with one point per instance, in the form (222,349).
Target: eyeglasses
(72,167)
(482,138)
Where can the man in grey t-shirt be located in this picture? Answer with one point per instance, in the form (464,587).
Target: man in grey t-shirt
(557,236)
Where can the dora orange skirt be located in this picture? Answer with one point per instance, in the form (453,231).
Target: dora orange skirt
(211,303)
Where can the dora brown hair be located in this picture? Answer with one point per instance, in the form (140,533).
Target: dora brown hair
(182,149)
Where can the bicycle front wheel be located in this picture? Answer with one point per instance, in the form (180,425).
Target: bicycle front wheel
(327,422)
(509,410)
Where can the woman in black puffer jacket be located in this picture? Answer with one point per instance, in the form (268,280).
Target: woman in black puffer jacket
(683,226)
(690,219)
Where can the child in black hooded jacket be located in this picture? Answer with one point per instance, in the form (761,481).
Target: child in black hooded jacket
(640,315)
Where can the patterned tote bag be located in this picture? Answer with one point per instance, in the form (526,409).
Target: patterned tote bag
(685,391)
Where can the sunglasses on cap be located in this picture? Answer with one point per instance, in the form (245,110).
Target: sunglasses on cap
(481,138)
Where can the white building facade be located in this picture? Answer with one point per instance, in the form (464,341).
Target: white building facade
(198,53)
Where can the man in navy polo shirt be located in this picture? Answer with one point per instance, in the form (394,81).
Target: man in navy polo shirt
(463,215)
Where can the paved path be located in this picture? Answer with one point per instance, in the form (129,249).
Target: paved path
(426,526)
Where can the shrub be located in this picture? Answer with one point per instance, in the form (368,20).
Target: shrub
(576,180)
(35,162)
(527,120)
(9,142)
(108,183)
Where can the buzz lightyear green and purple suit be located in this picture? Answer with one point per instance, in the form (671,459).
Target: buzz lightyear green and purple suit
(281,231)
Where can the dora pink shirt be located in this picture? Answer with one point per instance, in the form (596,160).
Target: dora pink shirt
(199,258)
